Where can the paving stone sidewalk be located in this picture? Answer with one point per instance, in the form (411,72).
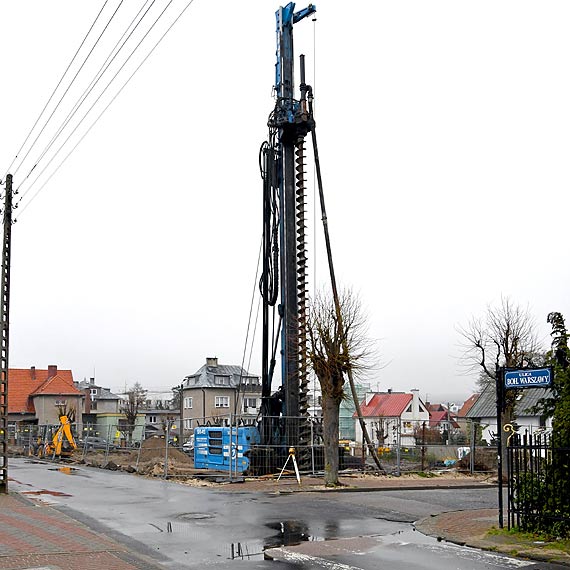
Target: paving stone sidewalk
(35,535)
(478,529)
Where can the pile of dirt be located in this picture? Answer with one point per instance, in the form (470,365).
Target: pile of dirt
(485,460)
(153,450)
(153,454)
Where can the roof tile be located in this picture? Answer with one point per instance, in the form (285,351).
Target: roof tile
(21,386)
(386,405)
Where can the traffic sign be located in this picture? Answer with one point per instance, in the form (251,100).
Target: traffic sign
(528,378)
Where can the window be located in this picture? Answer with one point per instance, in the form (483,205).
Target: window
(221,380)
(409,410)
(222,401)
(151,419)
(188,403)
(249,403)
(93,392)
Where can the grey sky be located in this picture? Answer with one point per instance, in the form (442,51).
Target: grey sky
(443,136)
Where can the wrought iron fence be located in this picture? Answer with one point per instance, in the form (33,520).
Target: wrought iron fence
(538,484)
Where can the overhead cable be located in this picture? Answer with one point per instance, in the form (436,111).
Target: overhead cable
(103,111)
(94,103)
(110,58)
(65,93)
(56,88)
(249,325)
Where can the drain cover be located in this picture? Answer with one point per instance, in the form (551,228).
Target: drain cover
(195,516)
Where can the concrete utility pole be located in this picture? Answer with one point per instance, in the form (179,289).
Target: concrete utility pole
(4,323)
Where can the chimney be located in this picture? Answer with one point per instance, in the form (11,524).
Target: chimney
(33,372)
(212,361)
(92,381)
(415,403)
(52,370)
(389,390)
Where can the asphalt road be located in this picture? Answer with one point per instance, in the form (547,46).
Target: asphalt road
(186,527)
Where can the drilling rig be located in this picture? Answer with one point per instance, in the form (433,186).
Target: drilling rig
(284,420)
(283,284)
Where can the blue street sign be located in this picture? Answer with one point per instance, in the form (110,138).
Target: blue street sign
(528,378)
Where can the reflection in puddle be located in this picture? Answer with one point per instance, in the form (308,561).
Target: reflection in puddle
(289,533)
(66,470)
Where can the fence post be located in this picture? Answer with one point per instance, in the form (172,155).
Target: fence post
(167,435)
(472,451)
(398,447)
(423,445)
(230,446)
(312,448)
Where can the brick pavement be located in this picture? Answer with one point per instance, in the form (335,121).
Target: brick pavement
(478,529)
(35,535)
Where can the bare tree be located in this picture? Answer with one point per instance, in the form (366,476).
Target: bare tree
(134,402)
(334,350)
(504,336)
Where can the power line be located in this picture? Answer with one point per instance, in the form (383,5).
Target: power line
(64,94)
(56,88)
(255,282)
(104,110)
(110,58)
(94,103)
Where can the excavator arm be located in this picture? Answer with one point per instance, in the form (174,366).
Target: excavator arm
(62,442)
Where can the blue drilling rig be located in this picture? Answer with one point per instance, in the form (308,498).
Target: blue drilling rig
(284,418)
(283,283)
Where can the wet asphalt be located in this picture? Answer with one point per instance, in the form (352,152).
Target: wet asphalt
(186,527)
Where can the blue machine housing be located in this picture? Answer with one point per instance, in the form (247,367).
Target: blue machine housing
(212,447)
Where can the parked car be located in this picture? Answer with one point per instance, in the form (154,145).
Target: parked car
(92,442)
(188,446)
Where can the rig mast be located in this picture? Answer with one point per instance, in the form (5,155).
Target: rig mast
(284,248)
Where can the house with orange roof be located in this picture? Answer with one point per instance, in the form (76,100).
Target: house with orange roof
(389,414)
(35,396)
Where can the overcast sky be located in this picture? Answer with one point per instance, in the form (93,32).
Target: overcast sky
(444,138)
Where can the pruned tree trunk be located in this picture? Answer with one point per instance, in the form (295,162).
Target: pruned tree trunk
(330,439)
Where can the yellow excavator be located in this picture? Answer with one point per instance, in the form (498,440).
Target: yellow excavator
(61,444)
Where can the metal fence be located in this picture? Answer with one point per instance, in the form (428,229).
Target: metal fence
(258,449)
(538,487)
(403,447)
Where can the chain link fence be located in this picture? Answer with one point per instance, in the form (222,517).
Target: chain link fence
(233,445)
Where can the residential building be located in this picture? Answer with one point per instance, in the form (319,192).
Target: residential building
(216,390)
(462,419)
(484,412)
(102,413)
(158,421)
(36,396)
(98,400)
(391,415)
(346,425)
(445,421)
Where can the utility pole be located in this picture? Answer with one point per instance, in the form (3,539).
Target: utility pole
(5,329)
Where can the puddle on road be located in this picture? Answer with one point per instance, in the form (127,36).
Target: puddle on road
(66,470)
(289,533)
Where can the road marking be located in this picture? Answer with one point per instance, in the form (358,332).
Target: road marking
(479,555)
(283,554)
